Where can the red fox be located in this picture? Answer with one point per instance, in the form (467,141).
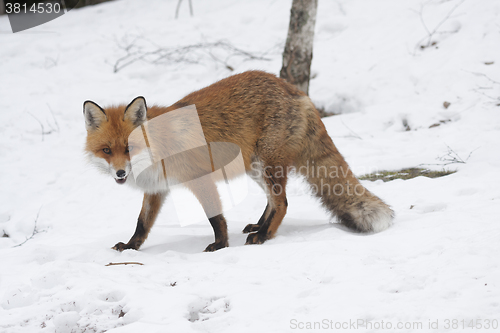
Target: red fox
(278,130)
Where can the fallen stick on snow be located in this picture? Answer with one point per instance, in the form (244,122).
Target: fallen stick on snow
(124,263)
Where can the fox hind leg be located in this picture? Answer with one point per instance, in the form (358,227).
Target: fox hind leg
(255,227)
(275,210)
(257,176)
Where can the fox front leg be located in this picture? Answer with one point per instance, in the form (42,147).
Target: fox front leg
(151,206)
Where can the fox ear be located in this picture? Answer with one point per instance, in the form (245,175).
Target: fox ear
(136,111)
(94,115)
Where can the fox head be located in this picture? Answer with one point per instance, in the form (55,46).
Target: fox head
(108,132)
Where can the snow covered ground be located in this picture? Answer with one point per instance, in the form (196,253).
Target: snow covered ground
(437,269)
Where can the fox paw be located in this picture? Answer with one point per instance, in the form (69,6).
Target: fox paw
(216,246)
(121,246)
(251,228)
(256,238)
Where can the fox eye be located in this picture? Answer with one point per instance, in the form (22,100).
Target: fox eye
(107,151)
(129,149)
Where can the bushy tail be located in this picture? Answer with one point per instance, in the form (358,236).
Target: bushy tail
(341,193)
(333,182)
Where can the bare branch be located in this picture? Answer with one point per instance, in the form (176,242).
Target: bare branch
(451,157)
(177,9)
(484,75)
(41,125)
(353,134)
(35,230)
(179,6)
(51,62)
(54,118)
(193,54)
(421,14)
(434,31)
(444,20)
(190,8)
(495,99)
(52,128)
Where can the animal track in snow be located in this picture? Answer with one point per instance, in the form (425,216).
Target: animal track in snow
(204,309)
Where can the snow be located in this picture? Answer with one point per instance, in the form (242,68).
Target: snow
(438,262)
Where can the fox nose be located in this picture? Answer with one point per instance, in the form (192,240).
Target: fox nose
(120,173)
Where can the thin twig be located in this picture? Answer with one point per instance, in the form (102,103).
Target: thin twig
(124,263)
(341,8)
(442,21)
(496,99)
(422,19)
(53,117)
(179,6)
(177,9)
(451,157)
(353,134)
(51,62)
(41,125)
(52,129)
(434,31)
(482,74)
(35,230)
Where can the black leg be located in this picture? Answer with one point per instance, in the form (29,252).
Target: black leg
(255,227)
(220,230)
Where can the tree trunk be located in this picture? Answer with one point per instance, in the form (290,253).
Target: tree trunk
(299,44)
